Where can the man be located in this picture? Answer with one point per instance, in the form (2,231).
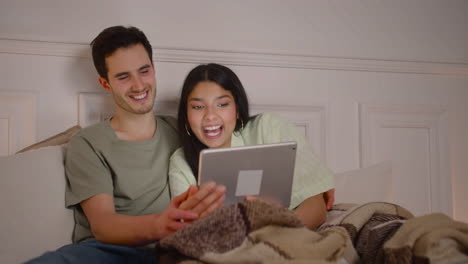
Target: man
(117,170)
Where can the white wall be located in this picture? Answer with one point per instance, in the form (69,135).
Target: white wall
(374,80)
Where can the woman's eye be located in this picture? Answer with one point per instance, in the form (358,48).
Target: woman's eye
(223,105)
(197,107)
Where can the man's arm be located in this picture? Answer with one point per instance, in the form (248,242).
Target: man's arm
(312,212)
(110,227)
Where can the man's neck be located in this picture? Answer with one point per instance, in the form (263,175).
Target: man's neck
(134,127)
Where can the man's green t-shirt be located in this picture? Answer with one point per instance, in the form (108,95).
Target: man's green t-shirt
(134,173)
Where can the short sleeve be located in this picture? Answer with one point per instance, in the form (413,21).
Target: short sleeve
(311,176)
(86,172)
(180,174)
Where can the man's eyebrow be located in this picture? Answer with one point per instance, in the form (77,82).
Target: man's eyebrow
(146,66)
(117,75)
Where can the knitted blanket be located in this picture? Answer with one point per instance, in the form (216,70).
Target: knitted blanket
(258,232)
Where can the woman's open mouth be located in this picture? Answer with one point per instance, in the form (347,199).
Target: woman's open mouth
(212,131)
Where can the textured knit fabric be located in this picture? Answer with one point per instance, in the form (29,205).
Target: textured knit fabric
(254,232)
(374,234)
(432,238)
(311,177)
(134,173)
(257,232)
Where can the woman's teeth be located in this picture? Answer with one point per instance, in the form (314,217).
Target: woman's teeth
(212,131)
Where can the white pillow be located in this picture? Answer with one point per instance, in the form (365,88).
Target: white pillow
(32,192)
(370,184)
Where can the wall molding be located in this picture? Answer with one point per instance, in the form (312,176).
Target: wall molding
(433,121)
(18,114)
(310,119)
(246,58)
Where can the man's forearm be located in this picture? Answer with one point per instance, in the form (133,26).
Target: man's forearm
(127,230)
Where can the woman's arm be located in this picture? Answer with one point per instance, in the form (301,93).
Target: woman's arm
(312,212)
(329,197)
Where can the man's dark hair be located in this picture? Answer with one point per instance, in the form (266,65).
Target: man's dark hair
(113,38)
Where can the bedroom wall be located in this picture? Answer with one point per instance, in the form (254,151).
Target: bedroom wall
(367,80)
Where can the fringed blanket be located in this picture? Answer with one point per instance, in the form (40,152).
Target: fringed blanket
(257,232)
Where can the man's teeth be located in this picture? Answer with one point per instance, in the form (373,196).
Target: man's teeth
(138,97)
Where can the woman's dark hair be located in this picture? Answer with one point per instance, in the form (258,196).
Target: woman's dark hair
(113,38)
(228,80)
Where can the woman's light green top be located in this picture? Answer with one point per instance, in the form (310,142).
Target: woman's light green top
(311,176)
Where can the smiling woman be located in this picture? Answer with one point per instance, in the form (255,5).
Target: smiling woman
(214,112)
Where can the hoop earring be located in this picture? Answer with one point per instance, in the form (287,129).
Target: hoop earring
(186,129)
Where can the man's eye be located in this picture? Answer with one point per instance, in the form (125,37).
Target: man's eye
(145,71)
(121,78)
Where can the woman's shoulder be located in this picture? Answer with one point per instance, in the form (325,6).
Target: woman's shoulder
(178,155)
(180,169)
(268,119)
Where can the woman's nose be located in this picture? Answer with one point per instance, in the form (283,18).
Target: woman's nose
(210,113)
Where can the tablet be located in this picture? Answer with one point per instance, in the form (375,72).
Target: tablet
(259,170)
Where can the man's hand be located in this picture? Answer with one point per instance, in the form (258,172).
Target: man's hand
(329,197)
(169,220)
(204,200)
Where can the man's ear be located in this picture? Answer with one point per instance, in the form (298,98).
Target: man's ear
(104,84)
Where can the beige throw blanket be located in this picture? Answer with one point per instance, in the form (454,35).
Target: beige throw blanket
(257,232)
(254,232)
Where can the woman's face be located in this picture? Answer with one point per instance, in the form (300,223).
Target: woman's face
(212,114)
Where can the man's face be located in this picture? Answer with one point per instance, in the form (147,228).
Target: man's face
(131,80)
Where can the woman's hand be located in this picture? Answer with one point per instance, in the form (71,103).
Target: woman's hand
(329,197)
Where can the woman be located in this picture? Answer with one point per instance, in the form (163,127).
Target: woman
(214,113)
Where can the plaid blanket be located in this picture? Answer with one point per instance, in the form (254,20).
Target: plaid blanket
(258,232)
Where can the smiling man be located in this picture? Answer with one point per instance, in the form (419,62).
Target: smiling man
(117,170)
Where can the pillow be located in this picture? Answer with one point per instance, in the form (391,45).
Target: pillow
(370,184)
(59,139)
(34,218)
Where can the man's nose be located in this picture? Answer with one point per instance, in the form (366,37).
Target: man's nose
(138,84)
